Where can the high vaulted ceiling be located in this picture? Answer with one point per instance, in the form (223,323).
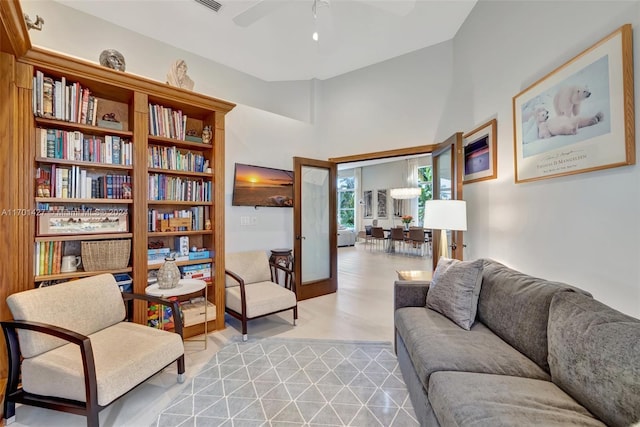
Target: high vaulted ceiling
(272,39)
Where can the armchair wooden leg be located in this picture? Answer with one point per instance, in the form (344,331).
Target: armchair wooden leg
(295,316)
(93,420)
(244,328)
(9,412)
(181,375)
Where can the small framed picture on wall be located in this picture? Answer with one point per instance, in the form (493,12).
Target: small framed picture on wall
(382,204)
(368,204)
(480,153)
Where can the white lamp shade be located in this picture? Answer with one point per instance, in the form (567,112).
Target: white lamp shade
(405,193)
(445,214)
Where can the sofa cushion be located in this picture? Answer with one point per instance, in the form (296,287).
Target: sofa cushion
(436,344)
(252,267)
(469,399)
(516,307)
(262,298)
(84,306)
(594,354)
(454,290)
(125,355)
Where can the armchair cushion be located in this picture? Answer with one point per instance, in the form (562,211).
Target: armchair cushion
(84,306)
(252,266)
(59,372)
(262,298)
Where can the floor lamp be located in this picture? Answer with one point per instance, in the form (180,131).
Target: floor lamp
(445,215)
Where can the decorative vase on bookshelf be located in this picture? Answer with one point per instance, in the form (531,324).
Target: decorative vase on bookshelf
(168,274)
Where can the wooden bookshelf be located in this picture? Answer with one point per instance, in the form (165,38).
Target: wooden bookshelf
(130,96)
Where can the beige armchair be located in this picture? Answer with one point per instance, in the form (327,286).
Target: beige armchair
(252,288)
(70,348)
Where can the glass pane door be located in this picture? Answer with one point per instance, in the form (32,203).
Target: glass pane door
(315,229)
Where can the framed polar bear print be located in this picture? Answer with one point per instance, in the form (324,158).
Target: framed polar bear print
(580,117)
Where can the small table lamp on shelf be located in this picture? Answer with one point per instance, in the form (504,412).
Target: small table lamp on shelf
(445,215)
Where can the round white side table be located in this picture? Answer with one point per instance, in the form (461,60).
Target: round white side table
(184,287)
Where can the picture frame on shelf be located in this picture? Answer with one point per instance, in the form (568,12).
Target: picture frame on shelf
(382,203)
(481,153)
(72,222)
(579,117)
(368,203)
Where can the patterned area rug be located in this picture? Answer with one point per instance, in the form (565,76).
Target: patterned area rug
(295,382)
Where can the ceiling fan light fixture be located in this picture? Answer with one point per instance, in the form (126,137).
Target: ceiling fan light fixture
(211,4)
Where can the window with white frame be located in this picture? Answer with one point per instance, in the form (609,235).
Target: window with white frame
(346,201)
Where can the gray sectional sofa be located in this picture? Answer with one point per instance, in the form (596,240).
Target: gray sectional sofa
(539,353)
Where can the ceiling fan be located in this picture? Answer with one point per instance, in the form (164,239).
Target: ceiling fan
(264,7)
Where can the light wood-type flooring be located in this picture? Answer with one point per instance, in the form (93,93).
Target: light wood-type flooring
(362,309)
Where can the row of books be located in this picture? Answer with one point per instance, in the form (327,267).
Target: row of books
(197,214)
(174,159)
(67,145)
(164,187)
(157,256)
(77,183)
(196,271)
(166,122)
(55,99)
(48,258)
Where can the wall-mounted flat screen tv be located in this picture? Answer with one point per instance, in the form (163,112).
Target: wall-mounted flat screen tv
(262,186)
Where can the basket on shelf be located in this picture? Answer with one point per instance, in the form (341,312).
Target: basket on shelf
(103,255)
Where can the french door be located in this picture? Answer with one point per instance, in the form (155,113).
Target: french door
(447,185)
(315,227)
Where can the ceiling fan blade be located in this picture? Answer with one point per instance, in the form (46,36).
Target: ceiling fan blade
(396,7)
(257,12)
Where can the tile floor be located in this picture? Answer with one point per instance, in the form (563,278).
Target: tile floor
(296,382)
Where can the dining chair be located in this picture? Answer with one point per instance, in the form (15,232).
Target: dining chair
(377,235)
(417,239)
(396,236)
(367,234)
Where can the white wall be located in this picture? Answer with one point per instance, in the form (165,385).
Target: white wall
(393,104)
(266,139)
(582,229)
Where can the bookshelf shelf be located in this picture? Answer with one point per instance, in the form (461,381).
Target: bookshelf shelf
(84,201)
(178,203)
(183,173)
(89,129)
(74,237)
(90,165)
(182,263)
(179,233)
(168,142)
(78,274)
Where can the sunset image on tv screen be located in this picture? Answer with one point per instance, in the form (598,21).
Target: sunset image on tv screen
(260,186)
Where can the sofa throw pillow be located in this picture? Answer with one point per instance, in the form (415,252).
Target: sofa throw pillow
(454,290)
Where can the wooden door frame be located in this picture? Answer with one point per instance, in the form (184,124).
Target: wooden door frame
(454,142)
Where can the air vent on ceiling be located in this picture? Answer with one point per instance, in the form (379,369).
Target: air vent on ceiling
(211,4)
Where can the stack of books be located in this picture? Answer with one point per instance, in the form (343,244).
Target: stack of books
(196,271)
(157,256)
